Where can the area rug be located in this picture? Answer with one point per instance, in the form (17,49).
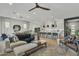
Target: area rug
(53,51)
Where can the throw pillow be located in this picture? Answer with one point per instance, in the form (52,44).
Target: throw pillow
(16,39)
(11,39)
(7,42)
(1,38)
(2,47)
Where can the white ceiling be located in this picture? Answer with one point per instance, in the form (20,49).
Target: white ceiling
(58,11)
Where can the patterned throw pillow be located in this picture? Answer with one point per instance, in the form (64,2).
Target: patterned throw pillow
(1,38)
(11,39)
(16,38)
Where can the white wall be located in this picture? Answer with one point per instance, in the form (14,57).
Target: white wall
(59,29)
(12,22)
(30,25)
(59,22)
(0,26)
(33,25)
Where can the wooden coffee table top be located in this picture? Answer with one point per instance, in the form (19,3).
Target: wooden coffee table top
(42,41)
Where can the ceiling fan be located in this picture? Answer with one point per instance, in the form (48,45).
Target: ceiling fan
(37,6)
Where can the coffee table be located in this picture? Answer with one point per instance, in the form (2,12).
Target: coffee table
(40,42)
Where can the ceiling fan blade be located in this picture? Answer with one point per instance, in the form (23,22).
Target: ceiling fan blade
(44,8)
(32,9)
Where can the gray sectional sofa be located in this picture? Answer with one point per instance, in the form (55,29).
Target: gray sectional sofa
(19,47)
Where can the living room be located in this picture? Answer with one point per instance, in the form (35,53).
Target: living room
(35,29)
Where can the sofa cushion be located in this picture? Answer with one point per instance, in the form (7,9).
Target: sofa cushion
(7,42)
(23,48)
(13,39)
(72,46)
(4,36)
(16,39)
(23,36)
(18,43)
(2,47)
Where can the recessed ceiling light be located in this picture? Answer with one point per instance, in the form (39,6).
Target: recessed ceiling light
(72,25)
(34,13)
(14,17)
(14,12)
(17,14)
(21,17)
(28,16)
(10,3)
(52,16)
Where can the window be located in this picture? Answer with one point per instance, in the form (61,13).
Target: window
(7,24)
(72,29)
(24,26)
